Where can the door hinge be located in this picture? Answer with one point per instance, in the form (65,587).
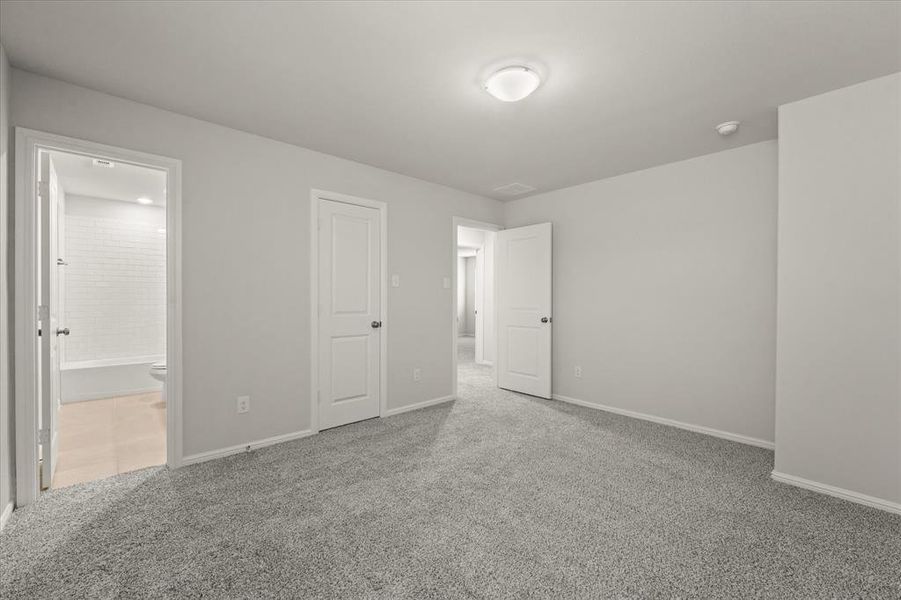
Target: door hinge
(44,436)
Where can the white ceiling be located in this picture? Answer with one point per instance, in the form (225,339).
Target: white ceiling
(78,176)
(627,85)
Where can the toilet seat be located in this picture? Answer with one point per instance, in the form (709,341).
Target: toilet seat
(158,371)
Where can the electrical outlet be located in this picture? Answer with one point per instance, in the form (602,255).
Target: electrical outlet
(417,374)
(395,281)
(578,371)
(243,404)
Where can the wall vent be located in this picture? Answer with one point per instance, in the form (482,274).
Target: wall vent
(514,189)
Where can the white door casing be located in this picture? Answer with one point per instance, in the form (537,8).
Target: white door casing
(524,295)
(28,376)
(349,282)
(479,305)
(48,191)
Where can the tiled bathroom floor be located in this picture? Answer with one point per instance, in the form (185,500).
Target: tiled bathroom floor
(100,438)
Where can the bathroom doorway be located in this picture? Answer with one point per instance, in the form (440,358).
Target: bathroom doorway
(106,271)
(101,399)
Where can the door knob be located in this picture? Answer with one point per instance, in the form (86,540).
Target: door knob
(376,324)
(545,320)
(62,331)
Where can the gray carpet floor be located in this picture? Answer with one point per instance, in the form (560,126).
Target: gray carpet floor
(495,495)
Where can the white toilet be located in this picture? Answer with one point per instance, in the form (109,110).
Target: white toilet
(158,372)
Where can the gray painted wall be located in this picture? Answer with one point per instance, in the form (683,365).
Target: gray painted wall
(246,210)
(7,420)
(665,289)
(838,396)
(665,279)
(461,295)
(469,311)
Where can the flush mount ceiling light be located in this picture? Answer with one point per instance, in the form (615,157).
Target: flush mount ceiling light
(514,189)
(144,200)
(512,84)
(727,128)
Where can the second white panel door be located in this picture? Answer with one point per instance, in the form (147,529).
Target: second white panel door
(524,297)
(349,313)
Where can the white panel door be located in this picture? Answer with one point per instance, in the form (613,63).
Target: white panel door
(48,191)
(349,313)
(524,309)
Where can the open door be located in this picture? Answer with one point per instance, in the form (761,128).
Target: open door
(524,309)
(48,191)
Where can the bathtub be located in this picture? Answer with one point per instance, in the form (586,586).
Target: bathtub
(94,379)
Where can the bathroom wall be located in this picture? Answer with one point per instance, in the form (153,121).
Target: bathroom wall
(114,297)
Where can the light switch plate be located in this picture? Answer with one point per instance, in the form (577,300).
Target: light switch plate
(395,281)
(447,283)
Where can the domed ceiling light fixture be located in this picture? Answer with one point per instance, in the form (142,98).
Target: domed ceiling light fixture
(512,84)
(727,128)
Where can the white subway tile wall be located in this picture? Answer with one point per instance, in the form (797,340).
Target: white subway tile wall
(115,283)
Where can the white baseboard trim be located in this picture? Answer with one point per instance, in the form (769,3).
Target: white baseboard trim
(193,459)
(397,411)
(485,363)
(837,492)
(6,514)
(726,435)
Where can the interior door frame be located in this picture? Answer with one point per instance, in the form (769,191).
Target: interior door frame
(29,143)
(382,208)
(458,222)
